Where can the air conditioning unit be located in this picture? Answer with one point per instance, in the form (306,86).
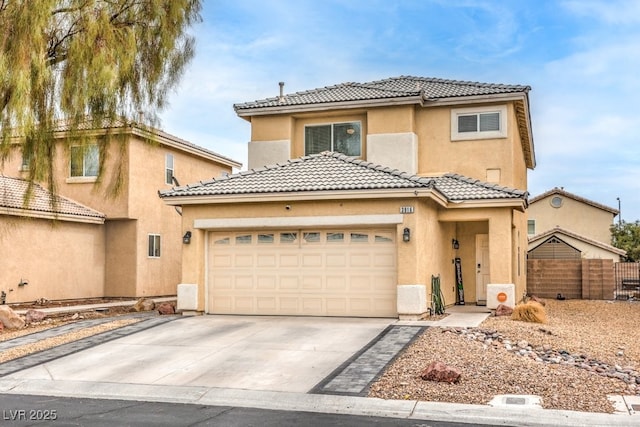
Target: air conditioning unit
(501,294)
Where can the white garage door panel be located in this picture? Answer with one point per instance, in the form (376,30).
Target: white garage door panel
(303,272)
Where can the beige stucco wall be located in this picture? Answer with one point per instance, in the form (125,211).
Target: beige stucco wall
(60,260)
(428,253)
(436,152)
(133,212)
(578,217)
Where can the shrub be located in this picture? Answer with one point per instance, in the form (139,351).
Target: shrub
(531,311)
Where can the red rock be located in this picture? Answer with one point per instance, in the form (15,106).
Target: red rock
(34,316)
(439,372)
(539,300)
(166,308)
(504,310)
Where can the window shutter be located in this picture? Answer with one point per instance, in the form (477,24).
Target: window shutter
(317,139)
(468,123)
(489,122)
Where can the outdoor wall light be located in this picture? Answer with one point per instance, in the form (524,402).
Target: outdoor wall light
(186,239)
(406,234)
(455,244)
(23,282)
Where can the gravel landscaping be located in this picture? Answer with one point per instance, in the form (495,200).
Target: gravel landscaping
(587,351)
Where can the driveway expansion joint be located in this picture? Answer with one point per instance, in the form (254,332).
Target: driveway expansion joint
(355,376)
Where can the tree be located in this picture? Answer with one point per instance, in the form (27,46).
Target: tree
(74,62)
(626,236)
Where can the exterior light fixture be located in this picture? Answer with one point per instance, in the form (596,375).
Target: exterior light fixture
(406,234)
(455,244)
(186,239)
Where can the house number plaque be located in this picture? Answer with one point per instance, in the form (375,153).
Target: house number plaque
(406,209)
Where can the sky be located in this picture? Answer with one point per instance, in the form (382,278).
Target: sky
(581,59)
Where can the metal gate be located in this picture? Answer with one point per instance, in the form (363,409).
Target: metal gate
(627,276)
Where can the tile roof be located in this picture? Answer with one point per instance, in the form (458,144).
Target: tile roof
(334,172)
(13,190)
(562,192)
(395,87)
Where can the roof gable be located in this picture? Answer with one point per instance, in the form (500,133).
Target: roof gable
(42,203)
(562,192)
(559,231)
(336,172)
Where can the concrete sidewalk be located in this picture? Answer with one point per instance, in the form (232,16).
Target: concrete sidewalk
(153,376)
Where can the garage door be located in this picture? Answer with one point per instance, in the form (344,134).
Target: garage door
(303,272)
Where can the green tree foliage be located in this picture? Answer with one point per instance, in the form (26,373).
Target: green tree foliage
(626,236)
(69,64)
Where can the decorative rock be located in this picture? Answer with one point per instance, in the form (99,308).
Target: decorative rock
(538,300)
(144,304)
(439,372)
(75,316)
(523,344)
(9,318)
(34,316)
(166,308)
(503,310)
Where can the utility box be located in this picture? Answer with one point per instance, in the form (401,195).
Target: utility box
(187,297)
(501,294)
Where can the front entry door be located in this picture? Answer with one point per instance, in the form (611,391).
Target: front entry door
(482,268)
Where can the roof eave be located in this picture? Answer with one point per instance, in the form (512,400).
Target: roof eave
(342,105)
(51,215)
(519,204)
(181,145)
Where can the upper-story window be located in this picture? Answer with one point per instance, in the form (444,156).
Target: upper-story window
(168,167)
(345,138)
(478,123)
(531,227)
(85,160)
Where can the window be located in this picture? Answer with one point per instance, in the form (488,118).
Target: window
(154,246)
(266,238)
(343,138)
(288,237)
(168,167)
(531,227)
(478,123)
(85,160)
(556,201)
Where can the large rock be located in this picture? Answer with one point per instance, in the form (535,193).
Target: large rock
(9,318)
(166,308)
(144,304)
(34,316)
(503,310)
(438,371)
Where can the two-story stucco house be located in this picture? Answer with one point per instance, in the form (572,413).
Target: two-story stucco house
(97,240)
(562,225)
(358,194)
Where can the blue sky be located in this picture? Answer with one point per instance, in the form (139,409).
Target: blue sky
(580,57)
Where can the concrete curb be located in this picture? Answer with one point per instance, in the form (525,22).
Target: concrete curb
(329,404)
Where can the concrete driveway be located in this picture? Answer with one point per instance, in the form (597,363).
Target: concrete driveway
(289,354)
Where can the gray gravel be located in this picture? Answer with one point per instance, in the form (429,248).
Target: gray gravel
(596,331)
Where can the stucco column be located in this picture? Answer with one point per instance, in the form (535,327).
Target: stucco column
(500,247)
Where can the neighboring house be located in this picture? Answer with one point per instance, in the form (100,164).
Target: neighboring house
(562,225)
(119,239)
(358,194)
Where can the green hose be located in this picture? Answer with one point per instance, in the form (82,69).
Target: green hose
(437,299)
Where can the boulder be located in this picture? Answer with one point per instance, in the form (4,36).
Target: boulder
(503,310)
(166,308)
(9,318)
(34,316)
(439,372)
(538,300)
(144,304)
